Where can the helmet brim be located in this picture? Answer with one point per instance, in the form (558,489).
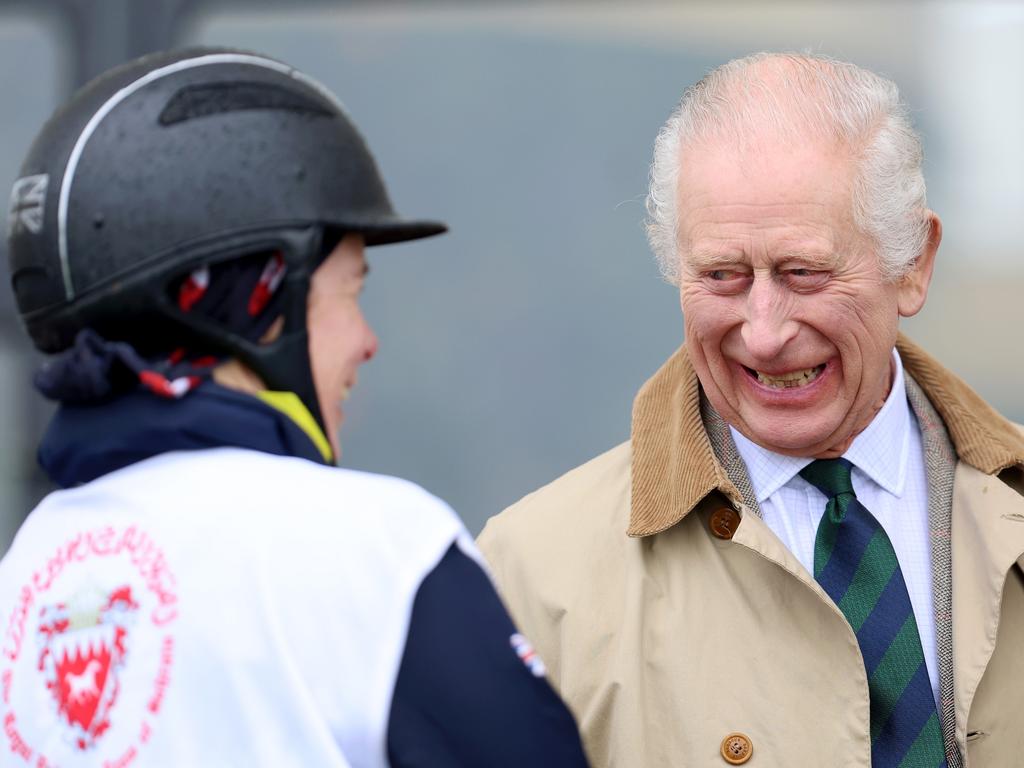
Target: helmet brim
(400,231)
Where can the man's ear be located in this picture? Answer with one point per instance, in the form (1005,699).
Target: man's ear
(913,287)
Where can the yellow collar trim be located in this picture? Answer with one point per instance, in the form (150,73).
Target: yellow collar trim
(289,404)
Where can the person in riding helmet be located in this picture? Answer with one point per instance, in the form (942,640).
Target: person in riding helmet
(187,244)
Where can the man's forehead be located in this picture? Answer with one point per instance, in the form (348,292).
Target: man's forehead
(785,201)
(780,186)
(773,162)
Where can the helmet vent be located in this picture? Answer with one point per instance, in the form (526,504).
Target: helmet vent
(194,101)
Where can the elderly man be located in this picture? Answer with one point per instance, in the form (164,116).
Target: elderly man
(809,552)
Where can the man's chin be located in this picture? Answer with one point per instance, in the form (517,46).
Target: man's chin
(790,428)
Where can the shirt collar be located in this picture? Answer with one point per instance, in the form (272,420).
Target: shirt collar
(768,471)
(880,451)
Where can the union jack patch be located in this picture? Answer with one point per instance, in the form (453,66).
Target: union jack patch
(28,197)
(527,655)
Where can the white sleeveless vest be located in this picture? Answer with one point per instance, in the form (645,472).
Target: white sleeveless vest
(213,608)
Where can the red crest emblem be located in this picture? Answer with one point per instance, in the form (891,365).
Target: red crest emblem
(83,644)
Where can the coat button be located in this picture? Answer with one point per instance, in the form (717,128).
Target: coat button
(724,522)
(736,749)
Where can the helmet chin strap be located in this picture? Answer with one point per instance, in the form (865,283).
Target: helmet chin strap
(284,363)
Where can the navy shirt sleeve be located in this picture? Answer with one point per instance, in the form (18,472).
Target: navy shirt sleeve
(463,696)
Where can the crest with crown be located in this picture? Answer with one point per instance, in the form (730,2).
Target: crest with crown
(82,647)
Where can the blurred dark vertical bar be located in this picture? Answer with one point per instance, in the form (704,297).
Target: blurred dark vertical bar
(105,33)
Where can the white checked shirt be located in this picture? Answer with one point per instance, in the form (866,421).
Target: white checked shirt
(889,479)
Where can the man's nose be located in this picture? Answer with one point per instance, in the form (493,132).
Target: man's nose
(768,326)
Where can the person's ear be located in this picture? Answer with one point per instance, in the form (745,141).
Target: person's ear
(913,286)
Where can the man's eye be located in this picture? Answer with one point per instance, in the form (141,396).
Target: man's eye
(720,275)
(726,281)
(806,278)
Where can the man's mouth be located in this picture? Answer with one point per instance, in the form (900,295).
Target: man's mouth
(346,390)
(790,380)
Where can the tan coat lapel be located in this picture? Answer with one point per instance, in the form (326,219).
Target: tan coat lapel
(674,466)
(982,437)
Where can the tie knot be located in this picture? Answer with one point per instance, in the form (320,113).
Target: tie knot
(830,476)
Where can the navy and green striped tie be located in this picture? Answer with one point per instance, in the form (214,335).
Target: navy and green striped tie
(855,564)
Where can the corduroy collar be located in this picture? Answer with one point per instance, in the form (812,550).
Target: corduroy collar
(674,466)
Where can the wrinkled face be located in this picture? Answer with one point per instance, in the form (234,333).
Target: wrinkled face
(789,322)
(340,340)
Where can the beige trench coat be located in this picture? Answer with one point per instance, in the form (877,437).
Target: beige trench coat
(664,638)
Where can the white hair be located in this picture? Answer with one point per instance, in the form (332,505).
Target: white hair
(802,96)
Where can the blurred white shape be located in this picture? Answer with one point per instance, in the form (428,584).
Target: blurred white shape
(975,57)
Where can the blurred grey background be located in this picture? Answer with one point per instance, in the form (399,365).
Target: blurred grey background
(511,349)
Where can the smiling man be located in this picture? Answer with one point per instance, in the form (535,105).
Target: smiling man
(809,551)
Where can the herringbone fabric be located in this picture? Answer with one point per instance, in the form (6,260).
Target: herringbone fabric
(856,565)
(940,464)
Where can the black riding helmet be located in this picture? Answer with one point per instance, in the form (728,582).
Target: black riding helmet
(181,159)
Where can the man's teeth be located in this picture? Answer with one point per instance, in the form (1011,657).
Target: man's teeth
(790,380)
